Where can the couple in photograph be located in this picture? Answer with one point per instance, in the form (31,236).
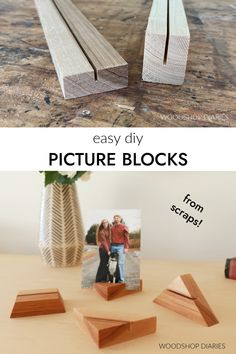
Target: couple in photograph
(113,242)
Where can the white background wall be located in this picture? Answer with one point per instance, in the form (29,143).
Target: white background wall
(164,234)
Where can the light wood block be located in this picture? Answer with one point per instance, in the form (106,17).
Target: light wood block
(166,43)
(107,330)
(111,291)
(84,61)
(38,302)
(111,70)
(185,297)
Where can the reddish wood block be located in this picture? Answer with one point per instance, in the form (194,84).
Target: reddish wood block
(107,330)
(232,271)
(230,268)
(185,297)
(38,302)
(111,291)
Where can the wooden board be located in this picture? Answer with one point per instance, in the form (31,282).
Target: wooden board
(74,72)
(111,291)
(107,330)
(76,69)
(166,43)
(31,95)
(185,297)
(37,302)
(111,70)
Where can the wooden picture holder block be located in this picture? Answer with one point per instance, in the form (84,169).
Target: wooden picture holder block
(84,61)
(185,297)
(107,330)
(111,291)
(166,43)
(38,302)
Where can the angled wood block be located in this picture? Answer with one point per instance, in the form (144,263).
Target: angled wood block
(84,61)
(113,329)
(38,302)
(185,297)
(167,41)
(111,291)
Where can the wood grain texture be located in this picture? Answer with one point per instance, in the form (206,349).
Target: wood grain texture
(178,286)
(38,291)
(185,297)
(167,41)
(111,291)
(74,72)
(107,330)
(111,69)
(37,303)
(30,94)
(80,58)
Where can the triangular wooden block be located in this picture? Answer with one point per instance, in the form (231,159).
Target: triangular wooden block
(107,331)
(38,302)
(185,297)
(110,291)
(178,286)
(102,330)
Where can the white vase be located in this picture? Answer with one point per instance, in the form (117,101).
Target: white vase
(61,230)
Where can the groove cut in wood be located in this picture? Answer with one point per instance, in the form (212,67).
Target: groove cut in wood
(167,41)
(111,291)
(185,297)
(107,330)
(84,61)
(38,302)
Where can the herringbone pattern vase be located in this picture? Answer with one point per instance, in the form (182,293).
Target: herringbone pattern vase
(61,229)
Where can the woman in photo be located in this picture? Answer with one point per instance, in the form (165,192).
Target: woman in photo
(103,236)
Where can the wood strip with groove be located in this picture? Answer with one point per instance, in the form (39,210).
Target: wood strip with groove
(166,43)
(73,69)
(111,69)
(38,291)
(76,75)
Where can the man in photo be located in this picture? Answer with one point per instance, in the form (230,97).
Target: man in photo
(120,244)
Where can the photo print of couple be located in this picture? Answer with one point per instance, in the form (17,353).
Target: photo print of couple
(112,248)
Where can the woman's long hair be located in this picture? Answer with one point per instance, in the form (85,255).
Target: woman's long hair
(100,228)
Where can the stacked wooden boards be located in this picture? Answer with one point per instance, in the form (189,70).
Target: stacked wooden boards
(166,43)
(185,297)
(38,302)
(110,329)
(84,61)
(110,291)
